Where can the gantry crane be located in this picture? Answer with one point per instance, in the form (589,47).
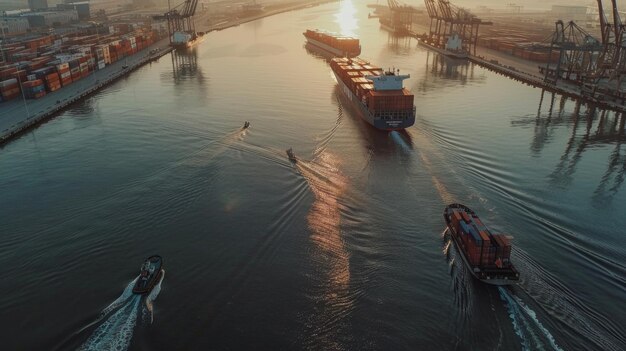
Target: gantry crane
(180,18)
(447,19)
(401,16)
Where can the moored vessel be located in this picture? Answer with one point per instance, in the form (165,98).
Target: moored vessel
(185,40)
(452,48)
(379,95)
(486,255)
(150,275)
(336,44)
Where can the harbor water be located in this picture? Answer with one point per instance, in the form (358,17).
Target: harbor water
(343,250)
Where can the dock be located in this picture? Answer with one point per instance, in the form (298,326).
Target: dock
(570,90)
(519,72)
(17,116)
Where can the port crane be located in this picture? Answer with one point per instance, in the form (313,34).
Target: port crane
(447,19)
(578,52)
(180,18)
(401,16)
(612,60)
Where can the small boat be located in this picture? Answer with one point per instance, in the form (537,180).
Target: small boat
(246,124)
(486,255)
(291,155)
(151,272)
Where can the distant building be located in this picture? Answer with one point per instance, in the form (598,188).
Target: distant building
(568,13)
(82,8)
(36,5)
(13,25)
(50,18)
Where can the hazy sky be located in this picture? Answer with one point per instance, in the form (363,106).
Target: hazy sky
(530,4)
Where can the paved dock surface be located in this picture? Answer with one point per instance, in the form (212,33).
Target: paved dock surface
(18,114)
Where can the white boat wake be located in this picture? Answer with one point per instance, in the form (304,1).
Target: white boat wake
(533,334)
(120,319)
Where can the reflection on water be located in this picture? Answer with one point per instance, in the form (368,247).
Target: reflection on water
(399,44)
(448,68)
(329,255)
(185,65)
(590,127)
(441,72)
(343,254)
(346,19)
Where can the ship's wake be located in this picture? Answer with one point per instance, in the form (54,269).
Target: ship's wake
(540,287)
(532,333)
(461,279)
(543,311)
(117,321)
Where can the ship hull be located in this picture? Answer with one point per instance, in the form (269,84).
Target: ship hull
(388,125)
(492,276)
(452,54)
(331,49)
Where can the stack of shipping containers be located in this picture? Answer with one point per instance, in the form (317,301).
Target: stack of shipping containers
(481,248)
(55,62)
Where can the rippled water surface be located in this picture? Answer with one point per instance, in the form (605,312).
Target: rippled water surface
(342,250)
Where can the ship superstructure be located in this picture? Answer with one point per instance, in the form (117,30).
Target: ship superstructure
(379,95)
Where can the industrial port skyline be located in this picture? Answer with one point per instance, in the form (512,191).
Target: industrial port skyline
(312,175)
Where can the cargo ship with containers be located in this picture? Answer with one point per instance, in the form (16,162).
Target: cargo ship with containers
(379,95)
(36,67)
(338,45)
(486,255)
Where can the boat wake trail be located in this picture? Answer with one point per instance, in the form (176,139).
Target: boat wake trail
(593,330)
(331,292)
(533,334)
(118,320)
(117,330)
(461,280)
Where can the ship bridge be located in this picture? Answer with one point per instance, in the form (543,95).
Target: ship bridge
(388,82)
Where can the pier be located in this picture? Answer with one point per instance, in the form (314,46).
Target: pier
(18,115)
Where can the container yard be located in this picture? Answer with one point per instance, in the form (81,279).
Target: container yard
(573,50)
(41,75)
(50,63)
(45,70)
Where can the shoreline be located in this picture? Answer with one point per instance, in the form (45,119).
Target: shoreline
(54,103)
(21,120)
(521,71)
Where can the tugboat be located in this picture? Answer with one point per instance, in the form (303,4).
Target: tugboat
(246,124)
(291,155)
(486,255)
(151,272)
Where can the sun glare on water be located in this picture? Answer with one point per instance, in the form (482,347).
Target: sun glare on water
(346,18)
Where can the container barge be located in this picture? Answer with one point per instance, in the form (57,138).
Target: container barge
(486,255)
(379,95)
(336,44)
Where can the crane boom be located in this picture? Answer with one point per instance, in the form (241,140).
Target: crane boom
(603,22)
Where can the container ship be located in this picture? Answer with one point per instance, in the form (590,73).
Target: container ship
(336,44)
(486,255)
(379,95)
